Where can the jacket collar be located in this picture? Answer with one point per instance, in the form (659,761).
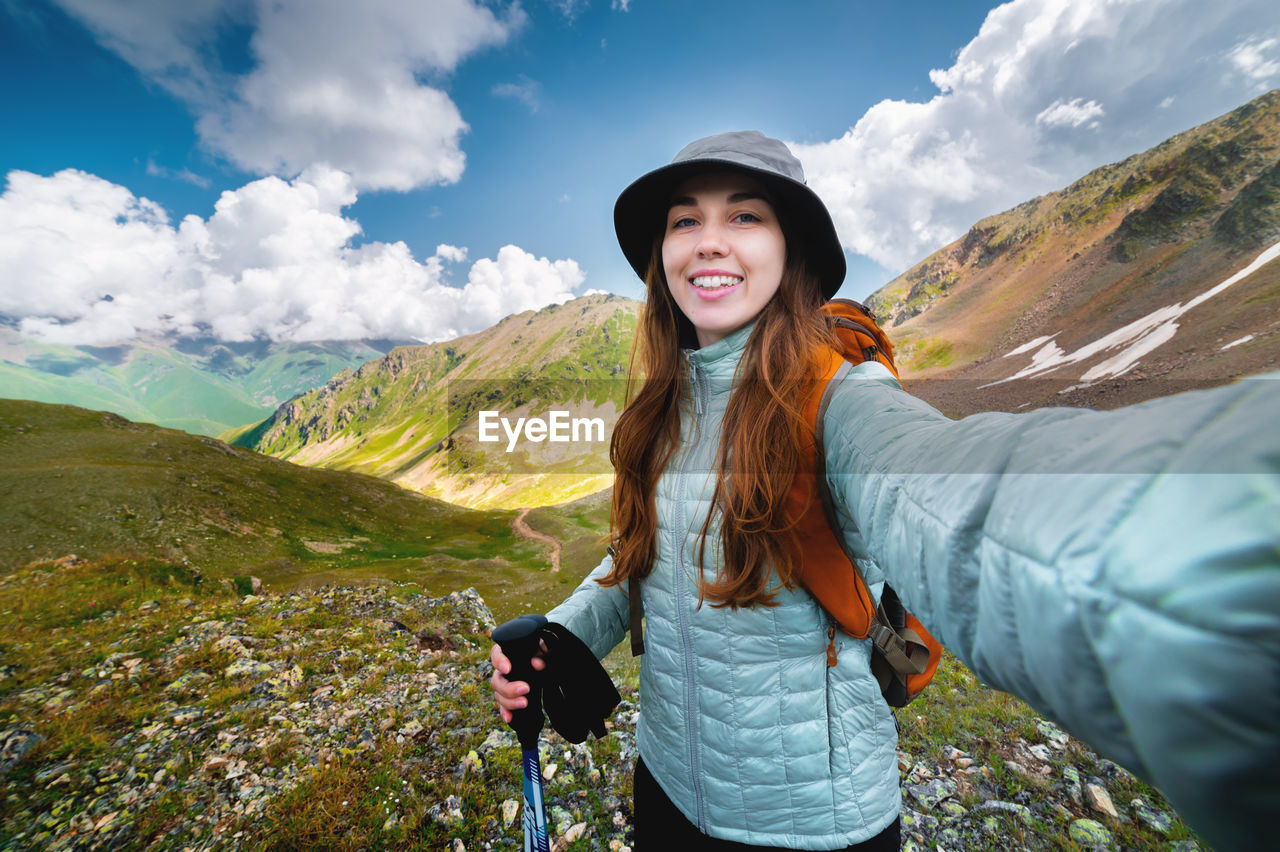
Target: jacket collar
(719,361)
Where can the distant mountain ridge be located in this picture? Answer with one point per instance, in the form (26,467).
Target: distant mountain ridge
(1110,290)
(198,385)
(413,416)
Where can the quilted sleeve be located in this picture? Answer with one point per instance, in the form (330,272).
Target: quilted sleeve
(1119,570)
(597,615)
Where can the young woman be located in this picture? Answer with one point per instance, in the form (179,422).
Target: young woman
(1048,550)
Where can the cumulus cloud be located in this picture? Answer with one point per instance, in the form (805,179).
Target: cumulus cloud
(1046,91)
(331,81)
(87,262)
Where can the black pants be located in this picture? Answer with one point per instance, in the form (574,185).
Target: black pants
(657,821)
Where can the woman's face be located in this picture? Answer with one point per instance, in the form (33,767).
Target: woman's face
(723,252)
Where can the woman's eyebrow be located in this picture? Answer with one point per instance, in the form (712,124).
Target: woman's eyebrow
(737,197)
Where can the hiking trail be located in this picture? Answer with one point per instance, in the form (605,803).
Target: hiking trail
(523,530)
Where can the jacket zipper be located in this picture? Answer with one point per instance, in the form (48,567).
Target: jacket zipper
(682,580)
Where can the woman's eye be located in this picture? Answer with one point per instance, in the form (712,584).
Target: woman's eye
(747,218)
(683,222)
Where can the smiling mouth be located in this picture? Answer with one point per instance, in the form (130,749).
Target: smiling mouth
(715,282)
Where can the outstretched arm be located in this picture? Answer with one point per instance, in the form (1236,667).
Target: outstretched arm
(1119,571)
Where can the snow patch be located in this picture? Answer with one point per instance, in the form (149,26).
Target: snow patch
(1031,344)
(1244,339)
(1135,340)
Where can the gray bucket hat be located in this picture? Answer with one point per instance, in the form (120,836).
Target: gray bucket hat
(638,215)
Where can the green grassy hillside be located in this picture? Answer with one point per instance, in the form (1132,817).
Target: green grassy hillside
(93,484)
(412,416)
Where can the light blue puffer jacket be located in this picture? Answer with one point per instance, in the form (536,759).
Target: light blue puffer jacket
(1120,571)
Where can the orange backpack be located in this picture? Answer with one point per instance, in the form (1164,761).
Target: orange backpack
(904,655)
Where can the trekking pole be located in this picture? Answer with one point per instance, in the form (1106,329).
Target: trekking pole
(518,639)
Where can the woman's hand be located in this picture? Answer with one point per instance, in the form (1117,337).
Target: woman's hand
(510,694)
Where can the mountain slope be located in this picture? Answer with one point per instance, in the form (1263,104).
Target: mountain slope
(96,485)
(1114,276)
(414,416)
(200,386)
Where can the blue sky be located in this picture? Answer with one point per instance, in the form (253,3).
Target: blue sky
(347,142)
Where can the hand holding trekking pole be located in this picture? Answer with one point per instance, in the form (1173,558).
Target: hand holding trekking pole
(519,643)
(509,690)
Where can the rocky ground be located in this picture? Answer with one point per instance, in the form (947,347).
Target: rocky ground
(360,718)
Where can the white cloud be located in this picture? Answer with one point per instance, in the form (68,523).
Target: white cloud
(1070,113)
(1046,91)
(332,81)
(621,5)
(85,261)
(571,9)
(184,174)
(453,254)
(525,90)
(1256,60)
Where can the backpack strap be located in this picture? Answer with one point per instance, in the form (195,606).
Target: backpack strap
(637,616)
(904,649)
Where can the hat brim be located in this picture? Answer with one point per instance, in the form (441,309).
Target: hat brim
(639,216)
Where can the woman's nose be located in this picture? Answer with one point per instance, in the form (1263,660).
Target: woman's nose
(712,242)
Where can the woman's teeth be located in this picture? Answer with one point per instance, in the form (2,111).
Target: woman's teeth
(713,282)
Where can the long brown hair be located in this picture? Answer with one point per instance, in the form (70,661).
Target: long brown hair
(758,454)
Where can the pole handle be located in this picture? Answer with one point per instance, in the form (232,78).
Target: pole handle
(518,639)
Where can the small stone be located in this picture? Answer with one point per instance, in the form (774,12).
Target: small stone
(255,585)
(1153,819)
(186,715)
(243,667)
(953,809)
(1071,778)
(1184,846)
(14,745)
(509,810)
(964,762)
(392,822)
(458,845)
(412,728)
(549,772)
(1018,767)
(932,793)
(1090,834)
(1041,753)
(559,819)
(1022,812)
(148,606)
(1055,736)
(1100,801)
(231,645)
(575,832)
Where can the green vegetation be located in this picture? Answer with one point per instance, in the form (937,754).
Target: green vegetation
(93,484)
(412,416)
(200,387)
(928,354)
